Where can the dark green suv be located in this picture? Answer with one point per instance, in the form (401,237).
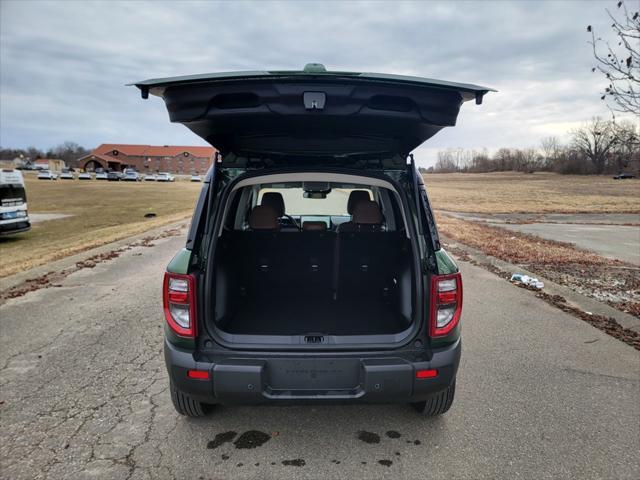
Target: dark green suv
(312,269)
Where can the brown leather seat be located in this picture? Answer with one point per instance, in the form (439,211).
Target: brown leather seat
(355,197)
(263,217)
(275,201)
(366,217)
(310,226)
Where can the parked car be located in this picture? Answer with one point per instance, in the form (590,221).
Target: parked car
(130,175)
(66,175)
(304,293)
(151,177)
(47,175)
(84,176)
(195,178)
(14,217)
(623,176)
(101,175)
(164,177)
(114,176)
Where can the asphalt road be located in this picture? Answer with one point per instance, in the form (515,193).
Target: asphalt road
(612,235)
(83,394)
(613,241)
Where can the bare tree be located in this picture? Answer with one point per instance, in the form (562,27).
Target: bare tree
(551,149)
(620,63)
(445,162)
(594,140)
(68,151)
(626,152)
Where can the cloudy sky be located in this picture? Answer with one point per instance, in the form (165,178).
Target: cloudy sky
(64,64)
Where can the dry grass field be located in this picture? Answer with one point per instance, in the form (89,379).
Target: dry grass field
(532,193)
(102,212)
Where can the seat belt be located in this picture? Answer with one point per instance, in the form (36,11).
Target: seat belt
(336,265)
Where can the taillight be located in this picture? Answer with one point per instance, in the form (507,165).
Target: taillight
(446,303)
(179,303)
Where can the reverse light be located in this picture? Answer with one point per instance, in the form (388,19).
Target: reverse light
(446,303)
(179,303)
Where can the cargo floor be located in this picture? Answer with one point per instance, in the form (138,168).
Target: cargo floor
(301,317)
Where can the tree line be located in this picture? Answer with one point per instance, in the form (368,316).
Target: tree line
(70,152)
(597,147)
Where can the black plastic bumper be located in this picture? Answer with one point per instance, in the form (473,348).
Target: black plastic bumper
(241,380)
(16,227)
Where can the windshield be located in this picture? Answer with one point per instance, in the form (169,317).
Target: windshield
(12,194)
(334,204)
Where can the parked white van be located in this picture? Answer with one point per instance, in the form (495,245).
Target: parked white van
(13,203)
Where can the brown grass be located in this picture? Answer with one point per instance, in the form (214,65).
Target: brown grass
(102,211)
(532,193)
(515,247)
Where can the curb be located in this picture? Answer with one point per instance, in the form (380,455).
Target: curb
(16,279)
(582,302)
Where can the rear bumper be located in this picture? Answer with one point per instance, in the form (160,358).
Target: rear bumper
(244,380)
(14,226)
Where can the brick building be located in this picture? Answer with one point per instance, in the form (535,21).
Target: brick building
(149,158)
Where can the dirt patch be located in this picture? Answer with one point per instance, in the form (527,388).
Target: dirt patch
(385,463)
(393,434)
(606,324)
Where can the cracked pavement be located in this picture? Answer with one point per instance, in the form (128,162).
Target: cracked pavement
(83,394)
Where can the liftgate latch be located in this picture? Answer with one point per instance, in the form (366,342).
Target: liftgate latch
(314,100)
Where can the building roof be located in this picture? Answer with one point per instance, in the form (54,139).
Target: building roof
(104,158)
(152,150)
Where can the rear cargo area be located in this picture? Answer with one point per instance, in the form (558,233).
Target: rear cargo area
(308,282)
(301,316)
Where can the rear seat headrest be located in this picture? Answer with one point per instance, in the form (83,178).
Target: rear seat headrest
(275,201)
(314,226)
(263,217)
(367,213)
(355,197)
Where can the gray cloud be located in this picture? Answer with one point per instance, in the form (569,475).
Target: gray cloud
(64,64)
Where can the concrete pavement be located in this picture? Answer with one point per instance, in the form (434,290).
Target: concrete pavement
(611,235)
(612,241)
(83,394)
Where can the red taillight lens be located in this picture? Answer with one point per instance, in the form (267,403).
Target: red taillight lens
(179,303)
(446,303)
(426,373)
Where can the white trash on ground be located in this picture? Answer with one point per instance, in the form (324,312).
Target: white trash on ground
(527,280)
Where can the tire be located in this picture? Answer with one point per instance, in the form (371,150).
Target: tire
(187,406)
(438,404)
